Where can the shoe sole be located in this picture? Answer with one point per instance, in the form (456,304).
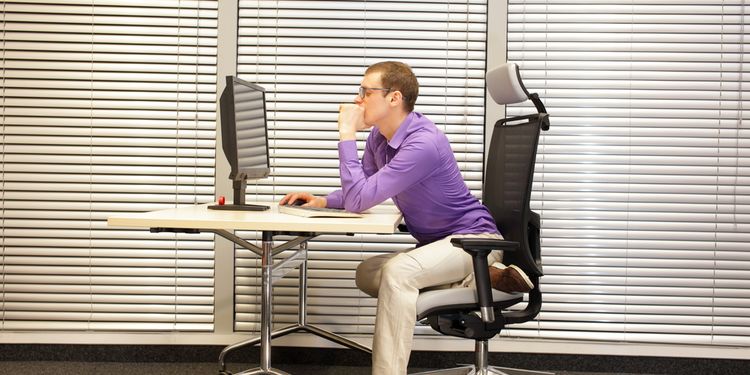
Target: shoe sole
(523,275)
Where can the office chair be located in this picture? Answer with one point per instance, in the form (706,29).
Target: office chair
(480,314)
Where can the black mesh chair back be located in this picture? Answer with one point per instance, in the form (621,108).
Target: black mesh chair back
(507,193)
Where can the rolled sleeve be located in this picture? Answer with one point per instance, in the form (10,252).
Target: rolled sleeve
(335,199)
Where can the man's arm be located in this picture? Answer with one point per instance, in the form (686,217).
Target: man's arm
(336,198)
(351,119)
(414,161)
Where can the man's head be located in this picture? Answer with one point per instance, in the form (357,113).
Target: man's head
(397,77)
(387,93)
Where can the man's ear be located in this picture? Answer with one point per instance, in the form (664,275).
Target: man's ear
(396,98)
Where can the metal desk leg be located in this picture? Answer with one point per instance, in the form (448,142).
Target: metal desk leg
(266,316)
(266,301)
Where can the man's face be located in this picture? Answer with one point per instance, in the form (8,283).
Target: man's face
(375,101)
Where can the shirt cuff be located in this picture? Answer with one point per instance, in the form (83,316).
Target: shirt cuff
(348,150)
(335,199)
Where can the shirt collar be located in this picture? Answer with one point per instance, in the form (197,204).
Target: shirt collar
(403,130)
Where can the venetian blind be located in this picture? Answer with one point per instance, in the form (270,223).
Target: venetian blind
(642,181)
(108,107)
(311,56)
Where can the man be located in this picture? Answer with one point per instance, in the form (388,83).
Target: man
(407,159)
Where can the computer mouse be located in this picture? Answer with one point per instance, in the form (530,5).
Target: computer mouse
(297,202)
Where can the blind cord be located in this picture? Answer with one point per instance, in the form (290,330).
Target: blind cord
(177,160)
(717,177)
(740,112)
(275,98)
(91,169)
(628,188)
(197,101)
(466,89)
(447,63)
(2,180)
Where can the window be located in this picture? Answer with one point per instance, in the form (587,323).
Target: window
(642,179)
(106,108)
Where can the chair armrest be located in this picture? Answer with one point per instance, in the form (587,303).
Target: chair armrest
(484,245)
(479,249)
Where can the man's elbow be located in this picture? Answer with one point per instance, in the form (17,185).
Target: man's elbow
(354,203)
(357,205)
(354,207)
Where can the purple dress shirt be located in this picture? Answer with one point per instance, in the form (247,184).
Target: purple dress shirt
(418,170)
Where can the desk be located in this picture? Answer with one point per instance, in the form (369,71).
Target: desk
(198,218)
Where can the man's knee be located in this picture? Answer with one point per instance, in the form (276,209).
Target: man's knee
(390,269)
(367,276)
(396,271)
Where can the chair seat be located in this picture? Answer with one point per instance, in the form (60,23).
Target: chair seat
(453,299)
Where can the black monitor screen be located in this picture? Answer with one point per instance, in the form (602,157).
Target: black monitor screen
(250,119)
(244,137)
(244,134)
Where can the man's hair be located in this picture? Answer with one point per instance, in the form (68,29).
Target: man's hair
(398,76)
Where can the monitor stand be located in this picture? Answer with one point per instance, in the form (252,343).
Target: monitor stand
(238,187)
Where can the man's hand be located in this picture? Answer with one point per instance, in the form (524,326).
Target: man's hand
(351,119)
(311,200)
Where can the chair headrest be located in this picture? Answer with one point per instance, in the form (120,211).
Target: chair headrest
(505,86)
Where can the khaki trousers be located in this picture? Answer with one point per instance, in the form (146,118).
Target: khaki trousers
(396,280)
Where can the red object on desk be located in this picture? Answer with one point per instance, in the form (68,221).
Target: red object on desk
(222,200)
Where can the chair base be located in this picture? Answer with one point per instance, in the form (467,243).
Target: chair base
(480,366)
(490,370)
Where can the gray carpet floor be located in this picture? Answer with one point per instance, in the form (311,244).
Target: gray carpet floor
(187,360)
(116,368)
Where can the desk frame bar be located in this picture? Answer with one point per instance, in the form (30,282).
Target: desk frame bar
(266,252)
(302,311)
(265,311)
(239,241)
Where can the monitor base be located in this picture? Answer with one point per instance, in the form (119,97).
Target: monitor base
(239,207)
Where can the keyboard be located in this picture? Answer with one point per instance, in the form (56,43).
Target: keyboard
(316,211)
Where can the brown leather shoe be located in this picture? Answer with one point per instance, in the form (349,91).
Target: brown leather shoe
(510,279)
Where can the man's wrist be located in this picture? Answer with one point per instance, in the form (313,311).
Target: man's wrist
(347,136)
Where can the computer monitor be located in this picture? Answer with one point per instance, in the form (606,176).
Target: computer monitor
(244,137)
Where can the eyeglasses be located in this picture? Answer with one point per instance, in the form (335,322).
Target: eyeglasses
(363,90)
